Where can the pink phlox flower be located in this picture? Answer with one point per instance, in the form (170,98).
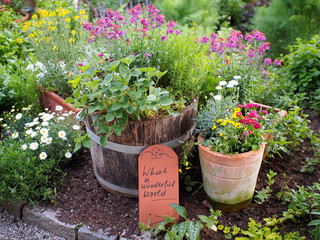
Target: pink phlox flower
(144,22)
(205,39)
(268,61)
(277,62)
(147,55)
(250,53)
(163,38)
(177,32)
(169,30)
(171,24)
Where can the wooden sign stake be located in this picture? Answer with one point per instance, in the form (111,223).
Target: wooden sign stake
(158,184)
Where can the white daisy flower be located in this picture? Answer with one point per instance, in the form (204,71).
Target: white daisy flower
(61,118)
(47,117)
(43,155)
(59,108)
(33,134)
(62,134)
(36,119)
(18,116)
(65,114)
(40,75)
(15,135)
(44,131)
(44,139)
(45,124)
(30,67)
(217,97)
(49,140)
(24,147)
(41,114)
(237,77)
(29,131)
(68,155)
(234,82)
(76,127)
(219,88)
(222,83)
(230,85)
(34,146)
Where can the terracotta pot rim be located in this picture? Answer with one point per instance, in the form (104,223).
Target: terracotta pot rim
(226,155)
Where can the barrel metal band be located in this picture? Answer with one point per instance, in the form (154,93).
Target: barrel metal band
(138,149)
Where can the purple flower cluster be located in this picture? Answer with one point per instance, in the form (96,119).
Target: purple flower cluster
(141,19)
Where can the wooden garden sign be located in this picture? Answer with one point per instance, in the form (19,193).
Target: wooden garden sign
(158,184)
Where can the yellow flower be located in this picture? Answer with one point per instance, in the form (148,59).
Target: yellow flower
(237,125)
(71,40)
(54,48)
(76,17)
(180,170)
(214,127)
(34,16)
(50,23)
(59,9)
(69,74)
(221,134)
(73,32)
(67,19)
(82,12)
(237,110)
(52,28)
(85,16)
(51,14)
(31,35)
(219,120)
(187,163)
(19,40)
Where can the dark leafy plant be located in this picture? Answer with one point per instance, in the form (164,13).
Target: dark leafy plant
(285,20)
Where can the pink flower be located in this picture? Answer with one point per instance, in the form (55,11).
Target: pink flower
(268,61)
(277,62)
(249,105)
(238,114)
(80,64)
(163,38)
(257,126)
(253,114)
(100,55)
(265,112)
(256,105)
(147,55)
(240,106)
(250,132)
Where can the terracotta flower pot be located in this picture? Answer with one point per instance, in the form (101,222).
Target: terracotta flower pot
(50,100)
(229,180)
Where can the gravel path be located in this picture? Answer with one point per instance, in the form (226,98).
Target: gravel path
(13,228)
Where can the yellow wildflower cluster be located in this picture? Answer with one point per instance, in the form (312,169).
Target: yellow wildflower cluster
(226,121)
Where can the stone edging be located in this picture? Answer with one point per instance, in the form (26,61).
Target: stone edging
(46,219)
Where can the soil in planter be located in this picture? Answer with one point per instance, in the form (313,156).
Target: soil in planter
(82,200)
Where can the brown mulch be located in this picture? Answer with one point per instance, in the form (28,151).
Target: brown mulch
(82,200)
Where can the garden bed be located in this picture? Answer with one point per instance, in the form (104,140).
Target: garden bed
(82,200)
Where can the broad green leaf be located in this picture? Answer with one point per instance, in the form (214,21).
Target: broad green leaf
(116,106)
(124,70)
(104,140)
(87,142)
(110,117)
(77,147)
(182,229)
(165,101)
(69,100)
(193,230)
(118,130)
(76,105)
(179,209)
(151,98)
(314,222)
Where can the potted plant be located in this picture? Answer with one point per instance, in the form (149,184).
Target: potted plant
(231,147)
(58,40)
(141,91)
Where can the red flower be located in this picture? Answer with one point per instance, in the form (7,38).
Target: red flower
(257,126)
(80,64)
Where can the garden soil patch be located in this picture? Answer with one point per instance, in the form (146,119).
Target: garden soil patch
(82,200)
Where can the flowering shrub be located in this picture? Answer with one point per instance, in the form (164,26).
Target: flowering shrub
(45,136)
(238,55)
(31,148)
(231,128)
(58,41)
(143,32)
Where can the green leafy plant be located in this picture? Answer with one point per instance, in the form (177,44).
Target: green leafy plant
(303,201)
(264,194)
(118,92)
(187,228)
(285,20)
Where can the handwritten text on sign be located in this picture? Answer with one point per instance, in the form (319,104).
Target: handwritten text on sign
(158,184)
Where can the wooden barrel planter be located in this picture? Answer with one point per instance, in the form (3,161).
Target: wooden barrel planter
(116,164)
